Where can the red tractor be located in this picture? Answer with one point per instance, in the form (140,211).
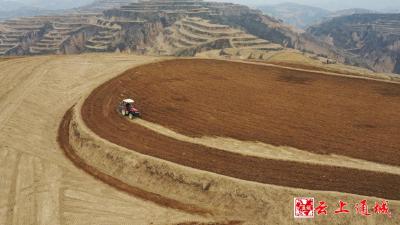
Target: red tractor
(126,108)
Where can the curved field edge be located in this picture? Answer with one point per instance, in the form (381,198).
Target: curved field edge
(99,114)
(223,196)
(64,137)
(313,112)
(262,150)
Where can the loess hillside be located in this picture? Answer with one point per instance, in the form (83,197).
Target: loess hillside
(191,26)
(373,38)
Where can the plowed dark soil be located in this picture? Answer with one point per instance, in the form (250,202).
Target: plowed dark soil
(318,113)
(309,111)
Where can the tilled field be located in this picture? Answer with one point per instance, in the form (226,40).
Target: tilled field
(317,113)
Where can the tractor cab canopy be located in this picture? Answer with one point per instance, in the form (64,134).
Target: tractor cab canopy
(128,104)
(128,101)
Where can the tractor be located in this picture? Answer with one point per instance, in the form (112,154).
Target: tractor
(126,108)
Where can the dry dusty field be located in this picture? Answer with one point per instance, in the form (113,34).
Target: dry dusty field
(38,184)
(189,99)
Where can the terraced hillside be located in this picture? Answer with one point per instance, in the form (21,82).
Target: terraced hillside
(373,38)
(189,27)
(61,30)
(139,26)
(103,39)
(149,10)
(18,33)
(101,5)
(193,34)
(41,34)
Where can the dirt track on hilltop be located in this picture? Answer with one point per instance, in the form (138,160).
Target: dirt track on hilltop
(318,113)
(38,184)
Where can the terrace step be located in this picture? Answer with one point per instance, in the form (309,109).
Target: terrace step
(205,26)
(42,50)
(191,37)
(245,38)
(185,43)
(49,41)
(8,45)
(93,42)
(14,36)
(10,41)
(239,44)
(103,38)
(211,34)
(5,50)
(266,47)
(47,45)
(96,48)
(176,44)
